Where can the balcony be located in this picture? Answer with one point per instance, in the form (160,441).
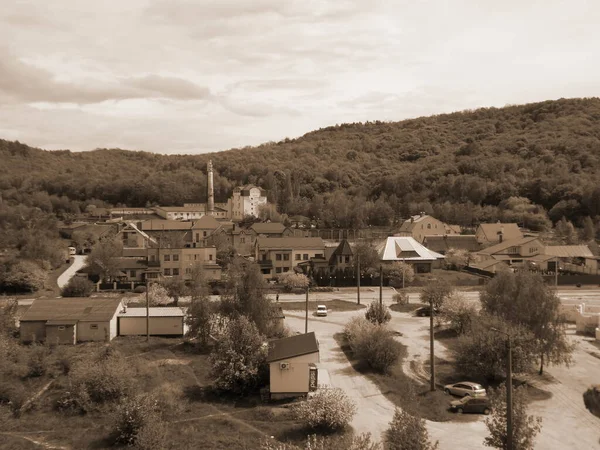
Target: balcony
(153,263)
(265,264)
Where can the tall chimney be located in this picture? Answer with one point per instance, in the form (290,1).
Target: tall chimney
(210,205)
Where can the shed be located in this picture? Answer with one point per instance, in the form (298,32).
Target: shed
(70,320)
(164,321)
(292,365)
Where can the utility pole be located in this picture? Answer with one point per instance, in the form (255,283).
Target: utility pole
(380,284)
(147,310)
(358,278)
(431,349)
(556,273)
(509,392)
(306,320)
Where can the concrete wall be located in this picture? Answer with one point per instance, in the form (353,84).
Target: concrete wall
(159,326)
(35,330)
(56,335)
(292,380)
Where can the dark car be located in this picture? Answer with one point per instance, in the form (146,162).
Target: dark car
(468,404)
(425,311)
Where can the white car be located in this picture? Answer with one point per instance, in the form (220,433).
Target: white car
(465,388)
(321,310)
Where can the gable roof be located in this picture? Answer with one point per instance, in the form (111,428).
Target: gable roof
(569,251)
(89,309)
(342,249)
(456,241)
(268,228)
(506,244)
(411,222)
(405,248)
(166,225)
(509,230)
(289,243)
(290,347)
(207,222)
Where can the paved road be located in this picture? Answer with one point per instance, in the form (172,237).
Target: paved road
(78,263)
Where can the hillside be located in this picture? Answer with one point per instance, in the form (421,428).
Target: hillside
(464,167)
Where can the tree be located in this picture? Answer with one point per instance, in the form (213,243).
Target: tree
(589,229)
(524,299)
(239,357)
(175,287)
(8,314)
(400,273)
(328,409)
(200,318)
(456,258)
(565,231)
(436,292)
(157,295)
(22,276)
(245,294)
(371,344)
(291,281)
(102,260)
(458,312)
(369,259)
(407,432)
(524,427)
(78,287)
(84,240)
(378,313)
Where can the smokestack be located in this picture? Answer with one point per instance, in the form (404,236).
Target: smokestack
(210,205)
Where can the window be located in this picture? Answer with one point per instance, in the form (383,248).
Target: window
(175,271)
(93,326)
(286,257)
(286,269)
(277,256)
(429,226)
(305,256)
(204,233)
(319,255)
(175,257)
(210,257)
(347,259)
(197,236)
(278,270)
(152,257)
(188,270)
(298,257)
(168,272)
(242,240)
(132,273)
(167,257)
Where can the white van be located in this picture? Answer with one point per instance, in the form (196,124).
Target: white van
(72,251)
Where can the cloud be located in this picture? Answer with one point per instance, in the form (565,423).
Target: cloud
(169,87)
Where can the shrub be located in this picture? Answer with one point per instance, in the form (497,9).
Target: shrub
(137,421)
(458,312)
(37,363)
(314,442)
(140,289)
(372,344)
(17,396)
(78,287)
(407,432)
(591,400)
(328,409)
(292,281)
(401,298)
(378,313)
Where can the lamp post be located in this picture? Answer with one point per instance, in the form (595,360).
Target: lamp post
(509,429)
(381,284)
(358,278)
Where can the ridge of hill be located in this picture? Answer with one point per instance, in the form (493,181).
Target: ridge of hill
(536,161)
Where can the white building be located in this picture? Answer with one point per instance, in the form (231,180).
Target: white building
(246,201)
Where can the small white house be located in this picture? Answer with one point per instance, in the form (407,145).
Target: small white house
(164,321)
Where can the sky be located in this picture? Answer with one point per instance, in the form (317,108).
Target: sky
(172,76)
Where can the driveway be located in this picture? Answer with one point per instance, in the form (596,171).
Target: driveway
(78,263)
(566,422)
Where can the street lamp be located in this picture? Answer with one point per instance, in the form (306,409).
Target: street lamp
(509,430)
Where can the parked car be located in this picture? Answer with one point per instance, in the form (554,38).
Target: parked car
(425,311)
(469,404)
(465,388)
(321,310)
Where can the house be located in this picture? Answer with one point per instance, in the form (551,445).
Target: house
(271,229)
(514,251)
(189,212)
(441,244)
(203,230)
(408,250)
(496,233)
(280,255)
(180,262)
(572,258)
(292,365)
(131,236)
(70,320)
(163,321)
(423,225)
(246,201)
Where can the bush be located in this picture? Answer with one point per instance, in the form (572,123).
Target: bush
(292,281)
(78,287)
(140,289)
(401,298)
(328,409)
(137,421)
(314,442)
(407,432)
(372,344)
(378,313)
(37,364)
(458,312)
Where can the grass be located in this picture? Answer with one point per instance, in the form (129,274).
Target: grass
(332,305)
(405,392)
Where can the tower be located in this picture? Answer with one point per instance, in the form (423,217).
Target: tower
(210,204)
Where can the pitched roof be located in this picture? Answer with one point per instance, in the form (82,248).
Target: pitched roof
(207,222)
(89,309)
(166,225)
(569,251)
(342,249)
(133,226)
(506,244)
(156,311)
(488,264)
(448,241)
(405,248)
(194,208)
(509,231)
(409,223)
(289,243)
(134,252)
(290,347)
(268,228)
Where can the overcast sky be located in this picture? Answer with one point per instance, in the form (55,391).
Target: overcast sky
(196,76)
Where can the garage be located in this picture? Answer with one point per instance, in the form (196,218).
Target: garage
(164,321)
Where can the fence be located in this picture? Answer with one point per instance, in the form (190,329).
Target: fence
(128,286)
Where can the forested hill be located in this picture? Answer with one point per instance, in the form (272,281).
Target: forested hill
(525,163)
